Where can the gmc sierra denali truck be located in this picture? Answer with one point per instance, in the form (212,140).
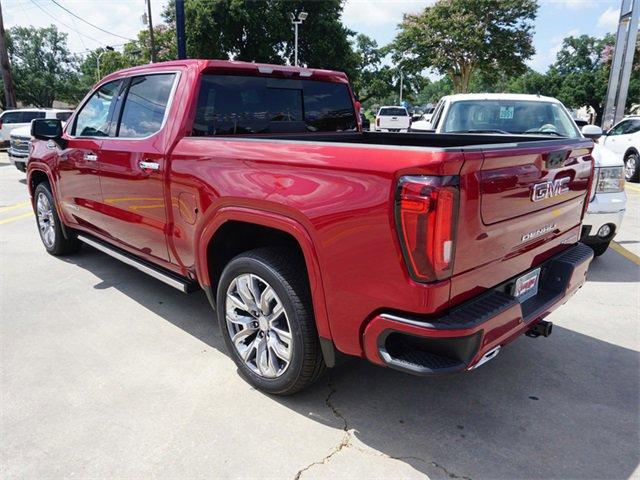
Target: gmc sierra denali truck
(423,253)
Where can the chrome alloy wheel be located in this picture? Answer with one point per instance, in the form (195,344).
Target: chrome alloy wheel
(46,222)
(258,325)
(630,166)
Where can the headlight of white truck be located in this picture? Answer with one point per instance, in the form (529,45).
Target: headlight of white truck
(610,180)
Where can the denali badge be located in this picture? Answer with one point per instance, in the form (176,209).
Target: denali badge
(549,189)
(541,231)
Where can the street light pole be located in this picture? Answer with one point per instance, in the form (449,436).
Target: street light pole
(297,21)
(401,85)
(106,49)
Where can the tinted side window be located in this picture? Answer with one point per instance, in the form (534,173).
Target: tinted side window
(145,105)
(63,116)
(12,117)
(28,116)
(229,105)
(634,127)
(620,128)
(94,118)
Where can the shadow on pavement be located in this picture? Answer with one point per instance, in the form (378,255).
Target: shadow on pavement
(562,407)
(613,267)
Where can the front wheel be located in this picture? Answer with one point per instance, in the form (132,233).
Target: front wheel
(265,316)
(632,168)
(49,224)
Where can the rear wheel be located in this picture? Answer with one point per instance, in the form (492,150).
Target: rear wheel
(49,224)
(632,167)
(266,319)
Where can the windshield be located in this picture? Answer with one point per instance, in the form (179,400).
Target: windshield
(393,112)
(510,116)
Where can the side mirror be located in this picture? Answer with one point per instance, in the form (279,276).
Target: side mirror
(592,131)
(47,129)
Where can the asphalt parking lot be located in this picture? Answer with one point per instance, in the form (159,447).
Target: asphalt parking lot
(108,373)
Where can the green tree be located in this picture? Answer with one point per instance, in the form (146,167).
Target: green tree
(459,37)
(43,68)
(262,32)
(582,72)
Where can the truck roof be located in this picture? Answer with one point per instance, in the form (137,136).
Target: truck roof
(232,66)
(500,96)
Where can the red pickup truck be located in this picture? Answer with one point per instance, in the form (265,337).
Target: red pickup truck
(426,253)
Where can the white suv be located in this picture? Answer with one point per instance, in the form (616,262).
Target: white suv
(12,119)
(624,140)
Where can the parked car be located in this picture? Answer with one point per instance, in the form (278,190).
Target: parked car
(392,119)
(624,139)
(537,115)
(309,236)
(19,143)
(12,119)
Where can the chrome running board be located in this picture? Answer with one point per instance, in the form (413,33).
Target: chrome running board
(173,280)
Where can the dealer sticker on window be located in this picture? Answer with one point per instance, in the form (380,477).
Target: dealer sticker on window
(527,285)
(506,112)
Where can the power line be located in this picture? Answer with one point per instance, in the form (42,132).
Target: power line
(89,23)
(64,24)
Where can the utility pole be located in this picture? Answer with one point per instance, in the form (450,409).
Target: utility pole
(622,63)
(5,65)
(182,48)
(151,38)
(401,85)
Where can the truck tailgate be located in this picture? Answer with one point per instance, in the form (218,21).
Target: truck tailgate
(518,206)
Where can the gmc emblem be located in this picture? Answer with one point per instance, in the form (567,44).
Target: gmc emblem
(549,189)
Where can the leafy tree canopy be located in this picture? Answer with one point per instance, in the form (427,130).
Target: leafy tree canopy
(458,37)
(43,68)
(262,32)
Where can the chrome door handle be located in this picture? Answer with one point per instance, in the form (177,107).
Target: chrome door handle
(145,165)
(91,157)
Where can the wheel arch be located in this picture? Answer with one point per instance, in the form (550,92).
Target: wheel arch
(276,226)
(629,151)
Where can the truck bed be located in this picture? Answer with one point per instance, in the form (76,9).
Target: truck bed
(425,140)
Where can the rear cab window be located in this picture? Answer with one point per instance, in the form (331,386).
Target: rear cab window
(393,112)
(241,105)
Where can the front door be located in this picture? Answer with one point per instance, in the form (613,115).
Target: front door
(79,182)
(132,168)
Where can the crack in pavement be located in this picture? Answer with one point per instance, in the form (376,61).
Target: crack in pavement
(346,442)
(447,472)
(346,439)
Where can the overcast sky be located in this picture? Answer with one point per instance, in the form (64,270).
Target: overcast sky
(376,18)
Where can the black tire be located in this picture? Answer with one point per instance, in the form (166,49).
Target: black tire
(632,172)
(599,248)
(288,279)
(21,166)
(60,245)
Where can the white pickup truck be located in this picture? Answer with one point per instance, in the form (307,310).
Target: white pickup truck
(510,114)
(392,119)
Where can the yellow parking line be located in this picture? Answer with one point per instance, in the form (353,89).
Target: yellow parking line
(625,253)
(16,218)
(632,186)
(15,206)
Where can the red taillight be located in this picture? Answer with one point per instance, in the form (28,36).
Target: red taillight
(426,212)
